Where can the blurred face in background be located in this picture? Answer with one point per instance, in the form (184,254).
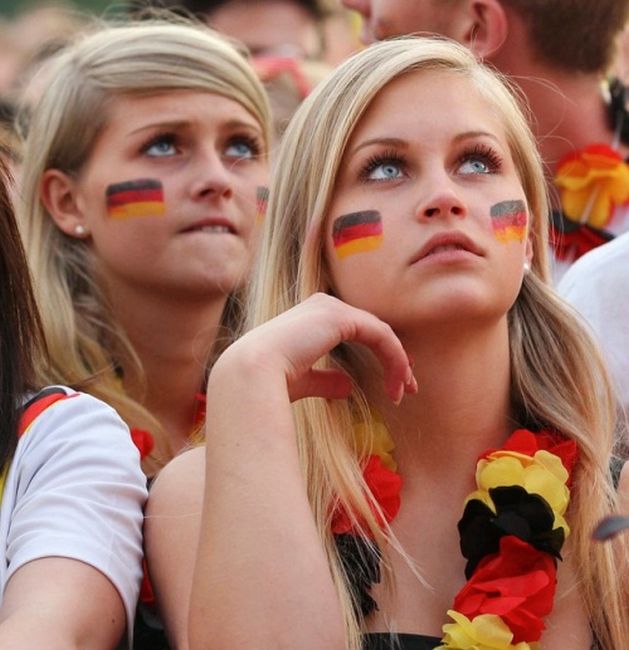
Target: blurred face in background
(269,28)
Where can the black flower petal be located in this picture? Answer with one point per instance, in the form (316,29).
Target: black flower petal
(361,561)
(526,516)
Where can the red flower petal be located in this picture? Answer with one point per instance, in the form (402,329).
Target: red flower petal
(385,485)
(529,443)
(517,584)
(143,440)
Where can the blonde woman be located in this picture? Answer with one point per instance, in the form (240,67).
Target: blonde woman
(427,428)
(142,164)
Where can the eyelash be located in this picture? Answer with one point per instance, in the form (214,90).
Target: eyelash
(380,159)
(251,141)
(493,160)
(167,136)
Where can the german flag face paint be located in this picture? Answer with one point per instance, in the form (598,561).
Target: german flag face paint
(140,198)
(262,202)
(357,232)
(509,221)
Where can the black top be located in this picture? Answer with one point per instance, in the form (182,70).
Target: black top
(384,641)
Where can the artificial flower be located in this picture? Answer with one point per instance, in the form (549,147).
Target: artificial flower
(361,560)
(517,584)
(385,487)
(143,440)
(526,516)
(571,240)
(592,182)
(374,437)
(528,443)
(484,632)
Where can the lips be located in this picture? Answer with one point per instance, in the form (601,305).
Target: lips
(448,242)
(218,225)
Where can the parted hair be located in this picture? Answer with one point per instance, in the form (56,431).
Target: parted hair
(557,378)
(577,35)
(87,345)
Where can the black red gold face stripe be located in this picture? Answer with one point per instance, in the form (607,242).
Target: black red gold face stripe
(357,232)
(509,221)
(138,198)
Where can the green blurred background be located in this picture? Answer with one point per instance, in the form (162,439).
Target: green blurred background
(11,7)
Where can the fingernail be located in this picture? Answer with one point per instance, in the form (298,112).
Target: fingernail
(401,391)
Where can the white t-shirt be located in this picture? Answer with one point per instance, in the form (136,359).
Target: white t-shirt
(75,490)
(597,285)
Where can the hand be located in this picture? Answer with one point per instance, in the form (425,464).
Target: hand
(292,342)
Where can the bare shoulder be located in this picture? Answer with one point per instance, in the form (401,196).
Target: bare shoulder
(179,486)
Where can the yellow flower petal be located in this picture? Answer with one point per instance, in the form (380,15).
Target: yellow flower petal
(484,632)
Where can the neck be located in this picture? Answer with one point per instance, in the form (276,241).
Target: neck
(463,404)
(172,339)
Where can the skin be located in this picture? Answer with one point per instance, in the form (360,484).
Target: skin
(275,27)
(208,153)
(384,18)
(41,593)
(448,312)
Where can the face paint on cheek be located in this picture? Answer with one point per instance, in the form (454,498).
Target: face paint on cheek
(357,232)
(262,202)
(139,198)
(509,221)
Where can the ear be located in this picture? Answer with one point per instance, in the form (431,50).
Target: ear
(487,28)
(58,193)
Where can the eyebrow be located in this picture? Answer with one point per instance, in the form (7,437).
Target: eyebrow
(178,124)
(404,144)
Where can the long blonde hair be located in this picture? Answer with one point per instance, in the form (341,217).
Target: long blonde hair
(86,343)
(557,377)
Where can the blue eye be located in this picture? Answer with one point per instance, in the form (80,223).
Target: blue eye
(242,148)
(474,166)
(481,159)
(383,167)
(385,171)
(163,145)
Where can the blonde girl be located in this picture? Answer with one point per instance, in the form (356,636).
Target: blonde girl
(142,163)
(403,277)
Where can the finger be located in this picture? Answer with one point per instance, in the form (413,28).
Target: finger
(370,331)
(329,384)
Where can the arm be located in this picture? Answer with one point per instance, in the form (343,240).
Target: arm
(60,604)
(171,533)
(262,578)
(72,509)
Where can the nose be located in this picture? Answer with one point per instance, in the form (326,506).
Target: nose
(213,177)
(444,202)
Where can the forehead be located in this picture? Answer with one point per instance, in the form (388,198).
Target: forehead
(130,111)
(429,103)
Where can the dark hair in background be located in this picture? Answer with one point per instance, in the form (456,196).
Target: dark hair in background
(574,35)
(21,335)
(206,7)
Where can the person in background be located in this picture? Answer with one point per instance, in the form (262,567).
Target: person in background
(140,203)
(71,489)
(558,52)
(414,428)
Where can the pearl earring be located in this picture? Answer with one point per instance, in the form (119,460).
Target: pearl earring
(80,230)
(527,266)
